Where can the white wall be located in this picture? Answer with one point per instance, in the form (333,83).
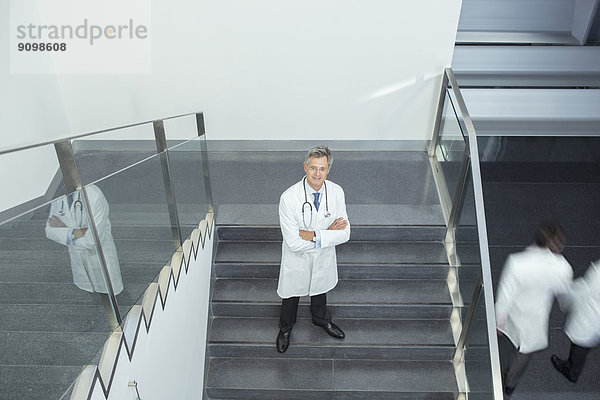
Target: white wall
(261,69)
(168,361)
(31,110)
(267,69)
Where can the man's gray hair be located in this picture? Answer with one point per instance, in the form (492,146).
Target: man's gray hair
(318,152)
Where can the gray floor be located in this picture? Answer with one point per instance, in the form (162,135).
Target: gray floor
(382,188)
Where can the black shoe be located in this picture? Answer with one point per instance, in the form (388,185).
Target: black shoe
(332,329)
(561,366)
(283,341)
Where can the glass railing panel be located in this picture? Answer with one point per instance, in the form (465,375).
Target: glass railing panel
(105,153)
(133,205)
(188,163)
(54,317)
(467,245)
(451,145)
(477,355)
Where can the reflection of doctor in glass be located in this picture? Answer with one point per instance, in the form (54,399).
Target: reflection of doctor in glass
(68,225)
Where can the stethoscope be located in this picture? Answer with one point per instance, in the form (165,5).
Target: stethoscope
(310,207)
(77,204)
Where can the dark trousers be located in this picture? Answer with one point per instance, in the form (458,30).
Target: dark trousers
(512,363)
(577,357)
(289,311)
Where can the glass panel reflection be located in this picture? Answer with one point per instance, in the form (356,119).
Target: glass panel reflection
(145,236)
(451,146)
(188,163)
(52,320)
(105,153)
(477,354)
(467,245)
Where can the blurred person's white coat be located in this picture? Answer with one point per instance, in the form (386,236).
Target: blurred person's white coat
(529,283)
(583,322)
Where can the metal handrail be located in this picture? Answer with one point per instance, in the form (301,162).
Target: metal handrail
(471,161)
(79,136)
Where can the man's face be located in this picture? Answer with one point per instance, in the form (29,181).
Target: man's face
(316,171)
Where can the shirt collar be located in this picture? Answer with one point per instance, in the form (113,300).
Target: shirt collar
(310,190)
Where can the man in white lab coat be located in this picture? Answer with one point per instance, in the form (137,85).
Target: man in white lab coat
(583,323)
(68,225)
(529,283)
(313,220)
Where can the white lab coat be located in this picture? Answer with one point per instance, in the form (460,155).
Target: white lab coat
(85,265)
(583,321)
(529,282)
(305,269)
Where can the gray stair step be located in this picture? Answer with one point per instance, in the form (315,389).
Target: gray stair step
(53,318)
(49,348)
(351,252)
(488,37)
(540,193)
(527,65)
(131,274)
(417,212)
(39,382)
(57,293)
(415,291)
(43,244)
(389,311)
(61,257)
(359,332)
(345,271)
(334,351)
(534,112)
(34,229)
(256,378)
(411,233)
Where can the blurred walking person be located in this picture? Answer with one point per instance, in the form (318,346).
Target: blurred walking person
(528,285)
(583,323)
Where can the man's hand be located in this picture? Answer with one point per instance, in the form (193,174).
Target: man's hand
(307,235)
(79,233)
(55,222)
(338,225)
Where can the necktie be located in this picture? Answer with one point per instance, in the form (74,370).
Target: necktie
(317,200)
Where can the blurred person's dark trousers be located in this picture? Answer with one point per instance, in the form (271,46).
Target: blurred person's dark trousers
(512,363)
(577,357)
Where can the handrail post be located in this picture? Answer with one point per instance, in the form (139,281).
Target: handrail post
(161,150)
(68,167)
(205,164)
(459,196)
(438,117)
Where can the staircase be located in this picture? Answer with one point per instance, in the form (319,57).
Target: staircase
(49,328)
(392,301)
